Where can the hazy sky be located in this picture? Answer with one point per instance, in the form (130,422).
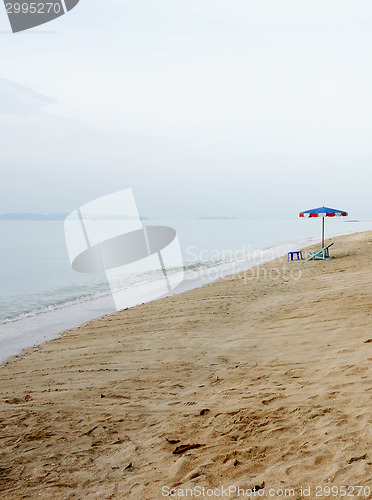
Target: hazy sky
(202,107)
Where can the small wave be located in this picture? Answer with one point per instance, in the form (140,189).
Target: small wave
(52,307)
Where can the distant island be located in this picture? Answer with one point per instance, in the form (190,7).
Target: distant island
(217,217)
(29,216)
(47,217)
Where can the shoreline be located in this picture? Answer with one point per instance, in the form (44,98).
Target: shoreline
(49,325)
(272,377)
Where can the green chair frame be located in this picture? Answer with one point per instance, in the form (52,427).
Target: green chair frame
(322,254)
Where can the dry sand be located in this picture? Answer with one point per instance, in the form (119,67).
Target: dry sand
(281,366)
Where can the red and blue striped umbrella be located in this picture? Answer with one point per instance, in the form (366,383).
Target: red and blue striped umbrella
(323,212)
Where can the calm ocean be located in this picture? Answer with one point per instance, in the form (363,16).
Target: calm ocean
(40,295)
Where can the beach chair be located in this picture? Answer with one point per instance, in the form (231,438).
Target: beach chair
(322,254)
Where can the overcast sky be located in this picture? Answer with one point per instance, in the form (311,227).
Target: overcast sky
(232,107)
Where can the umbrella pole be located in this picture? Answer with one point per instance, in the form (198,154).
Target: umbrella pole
(323,232)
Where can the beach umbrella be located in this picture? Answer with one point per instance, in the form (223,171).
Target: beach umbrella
(323,212)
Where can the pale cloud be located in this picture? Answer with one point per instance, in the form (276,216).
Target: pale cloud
(17,99)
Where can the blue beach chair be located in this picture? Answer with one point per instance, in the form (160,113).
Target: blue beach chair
(322,254)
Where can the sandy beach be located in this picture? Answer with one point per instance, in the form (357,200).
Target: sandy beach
(269,372)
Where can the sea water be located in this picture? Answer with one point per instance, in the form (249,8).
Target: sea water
(41,295)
